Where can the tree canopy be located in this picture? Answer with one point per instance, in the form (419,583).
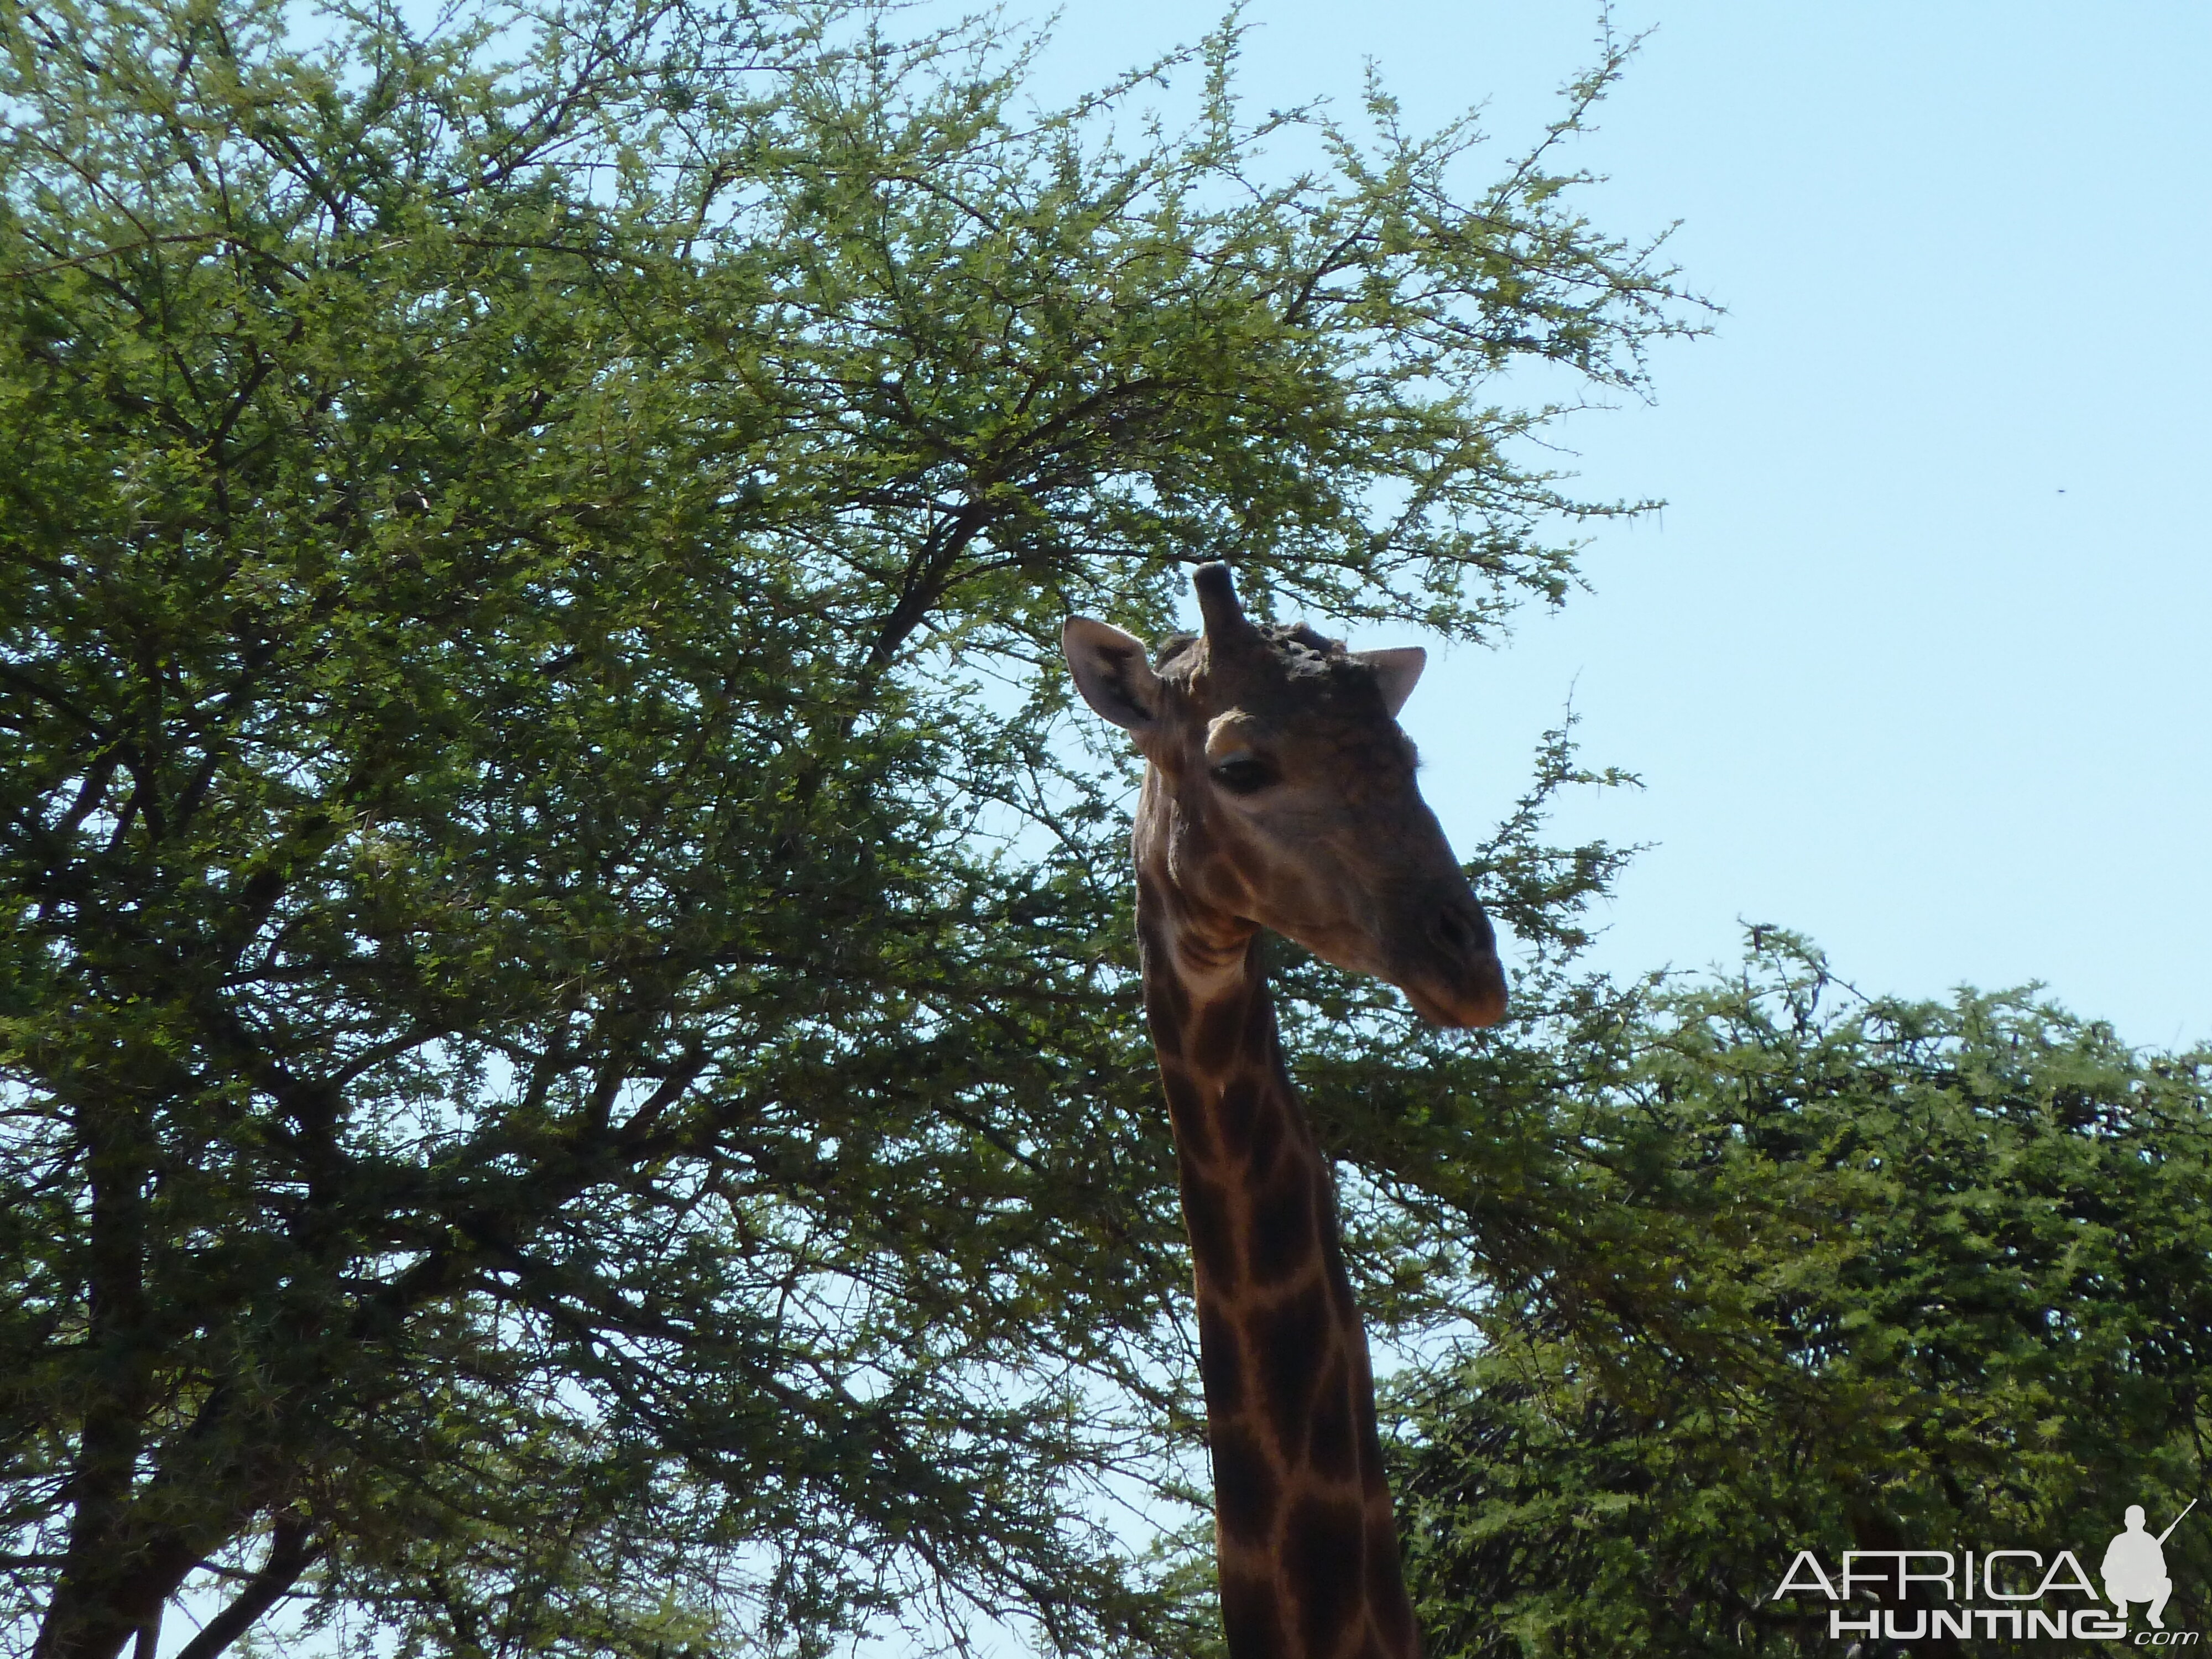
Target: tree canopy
(1847,1274)
(568,1069)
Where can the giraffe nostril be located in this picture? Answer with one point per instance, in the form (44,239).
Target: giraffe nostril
(1462,932)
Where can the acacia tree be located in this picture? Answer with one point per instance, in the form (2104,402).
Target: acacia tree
(1812,1270)
(566,1079)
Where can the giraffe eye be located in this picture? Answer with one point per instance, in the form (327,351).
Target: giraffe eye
(1243,775)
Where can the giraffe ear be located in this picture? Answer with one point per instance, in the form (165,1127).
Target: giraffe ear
(1111,671)
(1396,671)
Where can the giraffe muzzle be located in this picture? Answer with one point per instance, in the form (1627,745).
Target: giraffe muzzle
(1463,983)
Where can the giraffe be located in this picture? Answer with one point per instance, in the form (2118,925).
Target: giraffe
(1278,793)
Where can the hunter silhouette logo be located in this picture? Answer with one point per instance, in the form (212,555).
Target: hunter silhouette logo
(2016,1595)
(2135,1566)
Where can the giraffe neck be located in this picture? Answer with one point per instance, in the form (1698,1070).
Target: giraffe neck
(1303,1527)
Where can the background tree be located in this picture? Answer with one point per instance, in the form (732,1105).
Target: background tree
(568,1073)
(1829,1273)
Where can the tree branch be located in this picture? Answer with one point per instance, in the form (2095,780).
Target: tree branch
(292,1551)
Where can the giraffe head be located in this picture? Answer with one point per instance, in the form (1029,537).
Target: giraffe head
(1280,795)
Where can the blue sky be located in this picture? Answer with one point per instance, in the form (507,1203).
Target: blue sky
(1914,659)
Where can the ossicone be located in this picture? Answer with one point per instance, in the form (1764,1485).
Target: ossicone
(1222,616)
